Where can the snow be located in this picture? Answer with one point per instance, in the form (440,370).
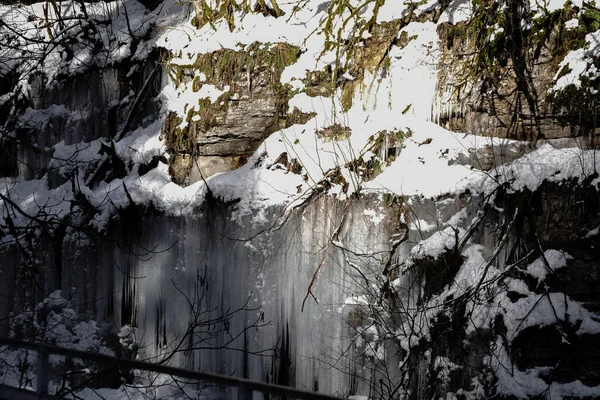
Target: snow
(390,11)
(572,23)
(428,169)
(183,100)
(555,259)
(580,63)
(436,245)
(67,158)
(401,98)
(540,309)
(593,232)
(457,11)
(43,51)
(426,165)
(533,309)
(425,170)
(356,300)
(443,366)
(547,6)
(413,69)
(141,145)
(376,216)
(52,321)
(527,384)
(34,118)
(161,387)
(470,272)
(544,164)
(187,41)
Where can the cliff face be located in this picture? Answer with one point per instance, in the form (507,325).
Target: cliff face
(507,71)
(378,199)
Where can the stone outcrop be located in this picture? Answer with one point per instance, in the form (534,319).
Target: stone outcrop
(498,69)
(222,134)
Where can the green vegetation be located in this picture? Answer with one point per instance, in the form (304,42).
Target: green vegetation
(392,199)
(372,54)
(225,9)
(385,145)
(510,53)
(384,140)
(573,105)
(361,54)
(320,83)
(578,106)
(335,132)
(255,70)
(230,67)
(298,117)
(366,48)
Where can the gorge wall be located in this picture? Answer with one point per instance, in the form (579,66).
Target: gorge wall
(381,199)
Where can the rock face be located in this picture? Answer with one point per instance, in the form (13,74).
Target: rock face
(221,135)
(211,267)
(499,70)
(458,352)
(79,110)
(487,290)
(245,125)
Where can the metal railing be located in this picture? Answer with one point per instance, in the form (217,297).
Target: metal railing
(246,387)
